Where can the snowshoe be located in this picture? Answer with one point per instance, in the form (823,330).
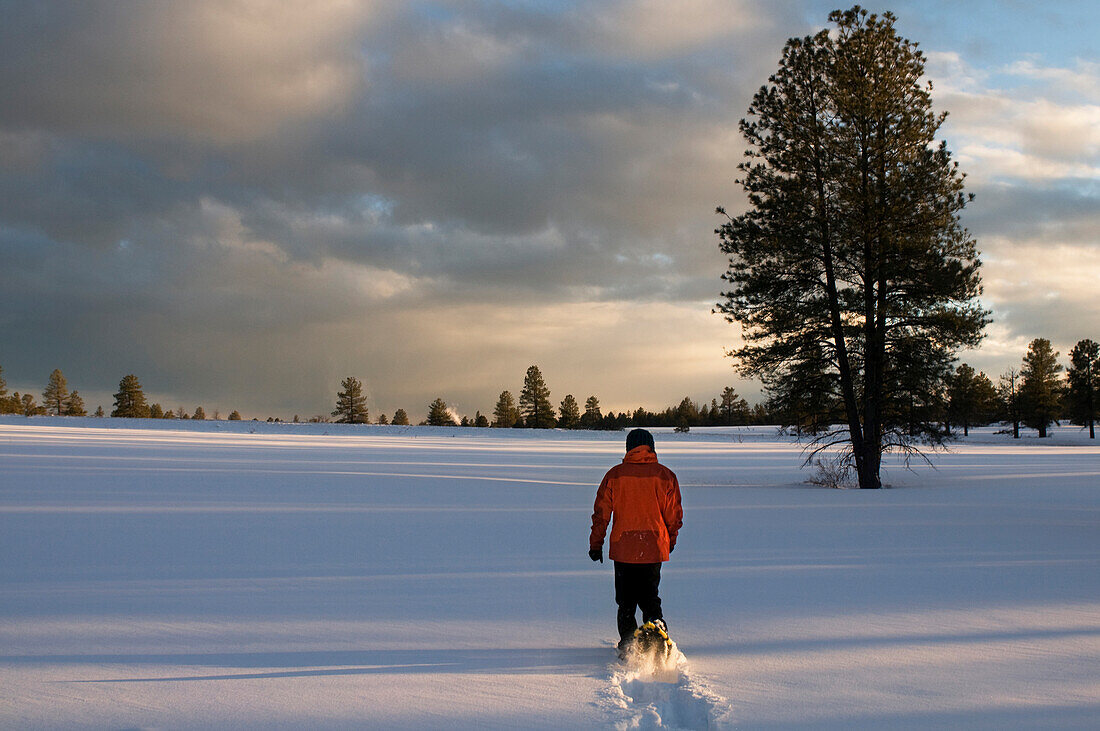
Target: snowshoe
(652,639)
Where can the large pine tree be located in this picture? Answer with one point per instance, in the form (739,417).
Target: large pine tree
(351,404)
(1040,392)
(534,401)
(56,393)
(851,250)
(130,399)
(1083,392)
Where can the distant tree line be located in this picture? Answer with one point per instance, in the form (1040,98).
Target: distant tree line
(536,410)
(1034,395)
(58,400)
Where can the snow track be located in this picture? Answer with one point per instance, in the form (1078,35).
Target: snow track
(648,693)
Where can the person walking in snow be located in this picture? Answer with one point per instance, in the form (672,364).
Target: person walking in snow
(642,497)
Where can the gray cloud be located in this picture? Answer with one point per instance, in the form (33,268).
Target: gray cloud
(245,202)
(218,71)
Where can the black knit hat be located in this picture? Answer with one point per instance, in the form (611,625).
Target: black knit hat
(638,437)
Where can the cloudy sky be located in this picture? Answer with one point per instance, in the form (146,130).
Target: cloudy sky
(244,202)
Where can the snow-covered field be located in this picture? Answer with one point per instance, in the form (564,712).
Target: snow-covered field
(254,575)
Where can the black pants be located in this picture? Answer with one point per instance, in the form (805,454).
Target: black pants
(636,586)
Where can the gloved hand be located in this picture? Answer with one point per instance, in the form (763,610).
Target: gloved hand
(596,554)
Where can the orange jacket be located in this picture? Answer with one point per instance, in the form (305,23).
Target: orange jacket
(644,497)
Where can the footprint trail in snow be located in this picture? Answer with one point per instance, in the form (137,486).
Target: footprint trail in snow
(650,692)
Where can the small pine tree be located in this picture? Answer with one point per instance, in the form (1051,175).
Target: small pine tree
(733,409)
(439,414)
(962,397)
(481,421)
(1083,392)
(1008,392)
(130,399)
(6,405)
(986,397)
(1040,397)
(28,406)
(57,391)
(99,412)
(382,420)
(592,417)
(505,415)
(199,414)
(351,404)
(687,413)
(235,415)
(971,398)
(400,418)
(74,405)
(569,415)
(156,411)
(534,401)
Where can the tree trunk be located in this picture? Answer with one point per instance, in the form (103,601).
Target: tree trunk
(867,467)
(1043,431)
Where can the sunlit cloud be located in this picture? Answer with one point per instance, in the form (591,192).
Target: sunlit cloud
(1028,136)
